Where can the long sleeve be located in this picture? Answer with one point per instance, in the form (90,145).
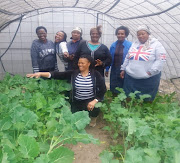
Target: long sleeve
(160,55)
(126,62)
(100,86)
(108,67)
(34,57)
(66,75)
(108,60)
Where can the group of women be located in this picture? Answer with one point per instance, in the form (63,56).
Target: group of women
(134,67)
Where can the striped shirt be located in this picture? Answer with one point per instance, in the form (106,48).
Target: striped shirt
(83,87)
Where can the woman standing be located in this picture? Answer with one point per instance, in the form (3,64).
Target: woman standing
(98,51)
(118,50)
(143,65)
(88,86)
(72,45)
(42,52)
(61,47)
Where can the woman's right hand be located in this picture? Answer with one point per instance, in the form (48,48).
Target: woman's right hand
(122,74)
(39,74)
(35,75)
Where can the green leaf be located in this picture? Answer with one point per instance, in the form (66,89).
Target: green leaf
(134,156)
(5,124)
(28,146)
(61,155)
(80,119)
(32,133)
(107,157)
(43,158)
(10,153)
(131,126)
(177,157)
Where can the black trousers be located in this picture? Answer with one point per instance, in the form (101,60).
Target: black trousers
(80,105)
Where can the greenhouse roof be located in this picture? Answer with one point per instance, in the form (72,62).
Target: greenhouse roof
(11,10)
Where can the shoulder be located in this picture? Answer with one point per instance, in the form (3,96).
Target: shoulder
(103,46)
(127,42)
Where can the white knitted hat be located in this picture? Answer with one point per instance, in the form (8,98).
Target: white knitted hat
(143,28)
(77,29)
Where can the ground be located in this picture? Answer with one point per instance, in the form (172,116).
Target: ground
(89,153)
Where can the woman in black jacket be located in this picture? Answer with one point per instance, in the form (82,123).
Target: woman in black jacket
(98,51)
(88,86)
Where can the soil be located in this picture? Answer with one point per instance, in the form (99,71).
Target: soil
(89,153)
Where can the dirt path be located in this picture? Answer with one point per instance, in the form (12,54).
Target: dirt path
(89,153)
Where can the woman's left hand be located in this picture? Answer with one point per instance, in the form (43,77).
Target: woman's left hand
(98,62)
(91,105)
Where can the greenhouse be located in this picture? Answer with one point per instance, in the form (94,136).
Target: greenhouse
(36,123)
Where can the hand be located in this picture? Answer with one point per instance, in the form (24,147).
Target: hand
(106,73)
(122,74)
(91,105)
(71,57)
(35,75)
(149,73)
(98,62)
(66,54)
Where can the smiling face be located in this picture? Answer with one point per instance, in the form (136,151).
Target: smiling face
(94,36)
(121,35)
(41,33)
(76,35)
(59,36)
(142,36)
(83,64)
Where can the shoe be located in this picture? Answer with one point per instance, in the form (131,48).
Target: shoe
(93,122)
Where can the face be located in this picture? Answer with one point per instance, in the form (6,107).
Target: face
(142,36)
(94,36)
(41,33)
(59,36)
(121,35)
(83,64)
(76,35)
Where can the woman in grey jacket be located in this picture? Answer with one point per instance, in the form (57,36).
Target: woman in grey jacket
(143,64)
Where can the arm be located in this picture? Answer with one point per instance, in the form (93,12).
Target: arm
(160,58)
(107,61)
(54,74)
(34,57)
(101,90)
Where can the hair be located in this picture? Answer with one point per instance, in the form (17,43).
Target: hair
(122,28)
(98,29)
(65,36)
(90,59)
(40,27)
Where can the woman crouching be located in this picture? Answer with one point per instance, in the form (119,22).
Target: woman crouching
(88,86)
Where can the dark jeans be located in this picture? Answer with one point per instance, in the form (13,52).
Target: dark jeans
(80,105)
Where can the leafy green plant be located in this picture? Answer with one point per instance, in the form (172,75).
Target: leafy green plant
(144,132)
(36,121)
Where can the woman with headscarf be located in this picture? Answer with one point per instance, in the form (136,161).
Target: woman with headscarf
(142,67)
(61,47)
(43,55)
(98,51)
(88,86)
(118,50)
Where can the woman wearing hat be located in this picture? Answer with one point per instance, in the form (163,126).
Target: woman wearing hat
(73,45)
(142,67)
(98,51)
